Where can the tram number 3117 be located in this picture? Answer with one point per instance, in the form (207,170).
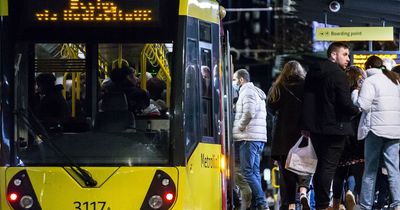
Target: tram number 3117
(95,205)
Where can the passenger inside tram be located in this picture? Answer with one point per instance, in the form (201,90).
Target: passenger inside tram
(115,126)
(50,105)
(124,80)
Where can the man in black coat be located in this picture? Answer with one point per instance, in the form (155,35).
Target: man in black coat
(327,109)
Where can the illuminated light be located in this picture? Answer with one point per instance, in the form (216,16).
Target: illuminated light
(46,19)
(135,15)
(222,162)
(74,7)
(137,18)
(140,11)
(76,18)
(149,11)
(145,15)
(107,19)
(135,11)
(148,18)
(40,19)
(83,7)
(91,7)
(53,19)
(13,197)
(128,19)
(46,11)
(99,18)
(169,196)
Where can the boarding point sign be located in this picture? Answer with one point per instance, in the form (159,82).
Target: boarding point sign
(355,34)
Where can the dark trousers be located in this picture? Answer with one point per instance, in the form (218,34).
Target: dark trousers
(329,149)
(289,183)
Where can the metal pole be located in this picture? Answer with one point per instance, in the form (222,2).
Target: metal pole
(326,19)
(267,9)
(370,46)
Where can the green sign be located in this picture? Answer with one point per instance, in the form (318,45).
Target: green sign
(355,34)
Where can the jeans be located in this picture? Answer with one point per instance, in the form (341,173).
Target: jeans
(250,168)
(329,149)
(376,148)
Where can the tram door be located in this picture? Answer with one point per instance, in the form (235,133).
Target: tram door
(203,120)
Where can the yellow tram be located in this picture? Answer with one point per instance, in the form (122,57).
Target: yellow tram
(96,158)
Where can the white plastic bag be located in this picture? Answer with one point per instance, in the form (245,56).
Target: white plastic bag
(302,160)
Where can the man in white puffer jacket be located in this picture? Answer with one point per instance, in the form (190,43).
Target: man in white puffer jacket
(250,129)
(379,99)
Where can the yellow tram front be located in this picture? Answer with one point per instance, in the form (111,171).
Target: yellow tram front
(166,153)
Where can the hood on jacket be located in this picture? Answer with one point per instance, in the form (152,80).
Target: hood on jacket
(260,92)
(373,71)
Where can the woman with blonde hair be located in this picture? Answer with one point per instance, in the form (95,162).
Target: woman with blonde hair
(285,101)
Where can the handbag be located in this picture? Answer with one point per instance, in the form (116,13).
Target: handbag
(302,160)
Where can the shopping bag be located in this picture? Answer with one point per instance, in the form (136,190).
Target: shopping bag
(302,160)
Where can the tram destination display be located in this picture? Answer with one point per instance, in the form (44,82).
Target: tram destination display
(96,13)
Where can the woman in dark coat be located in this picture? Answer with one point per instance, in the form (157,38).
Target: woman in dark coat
(285,100)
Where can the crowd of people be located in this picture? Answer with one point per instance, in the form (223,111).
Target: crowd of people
(352,117)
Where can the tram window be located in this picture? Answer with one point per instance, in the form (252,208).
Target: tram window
(205,32)
(192,93)
(111,136)
(206,96)
(60,83)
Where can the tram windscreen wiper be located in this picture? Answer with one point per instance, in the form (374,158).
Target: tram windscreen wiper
(45,137)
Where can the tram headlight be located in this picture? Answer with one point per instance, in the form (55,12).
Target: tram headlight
(26,202)
(20,192)
(161,193)
(155,202)
(165,182)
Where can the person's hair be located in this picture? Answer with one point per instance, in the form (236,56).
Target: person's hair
(353,76)
(118,75)
(243,73)
(45,80)
(396,69)
(373,62)
(335,46)
(292,72)
(155,87)
(376,62)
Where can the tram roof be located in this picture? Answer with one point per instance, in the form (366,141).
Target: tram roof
(352,12)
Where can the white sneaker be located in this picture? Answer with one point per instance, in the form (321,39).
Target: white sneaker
(304,202)
(350,200)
